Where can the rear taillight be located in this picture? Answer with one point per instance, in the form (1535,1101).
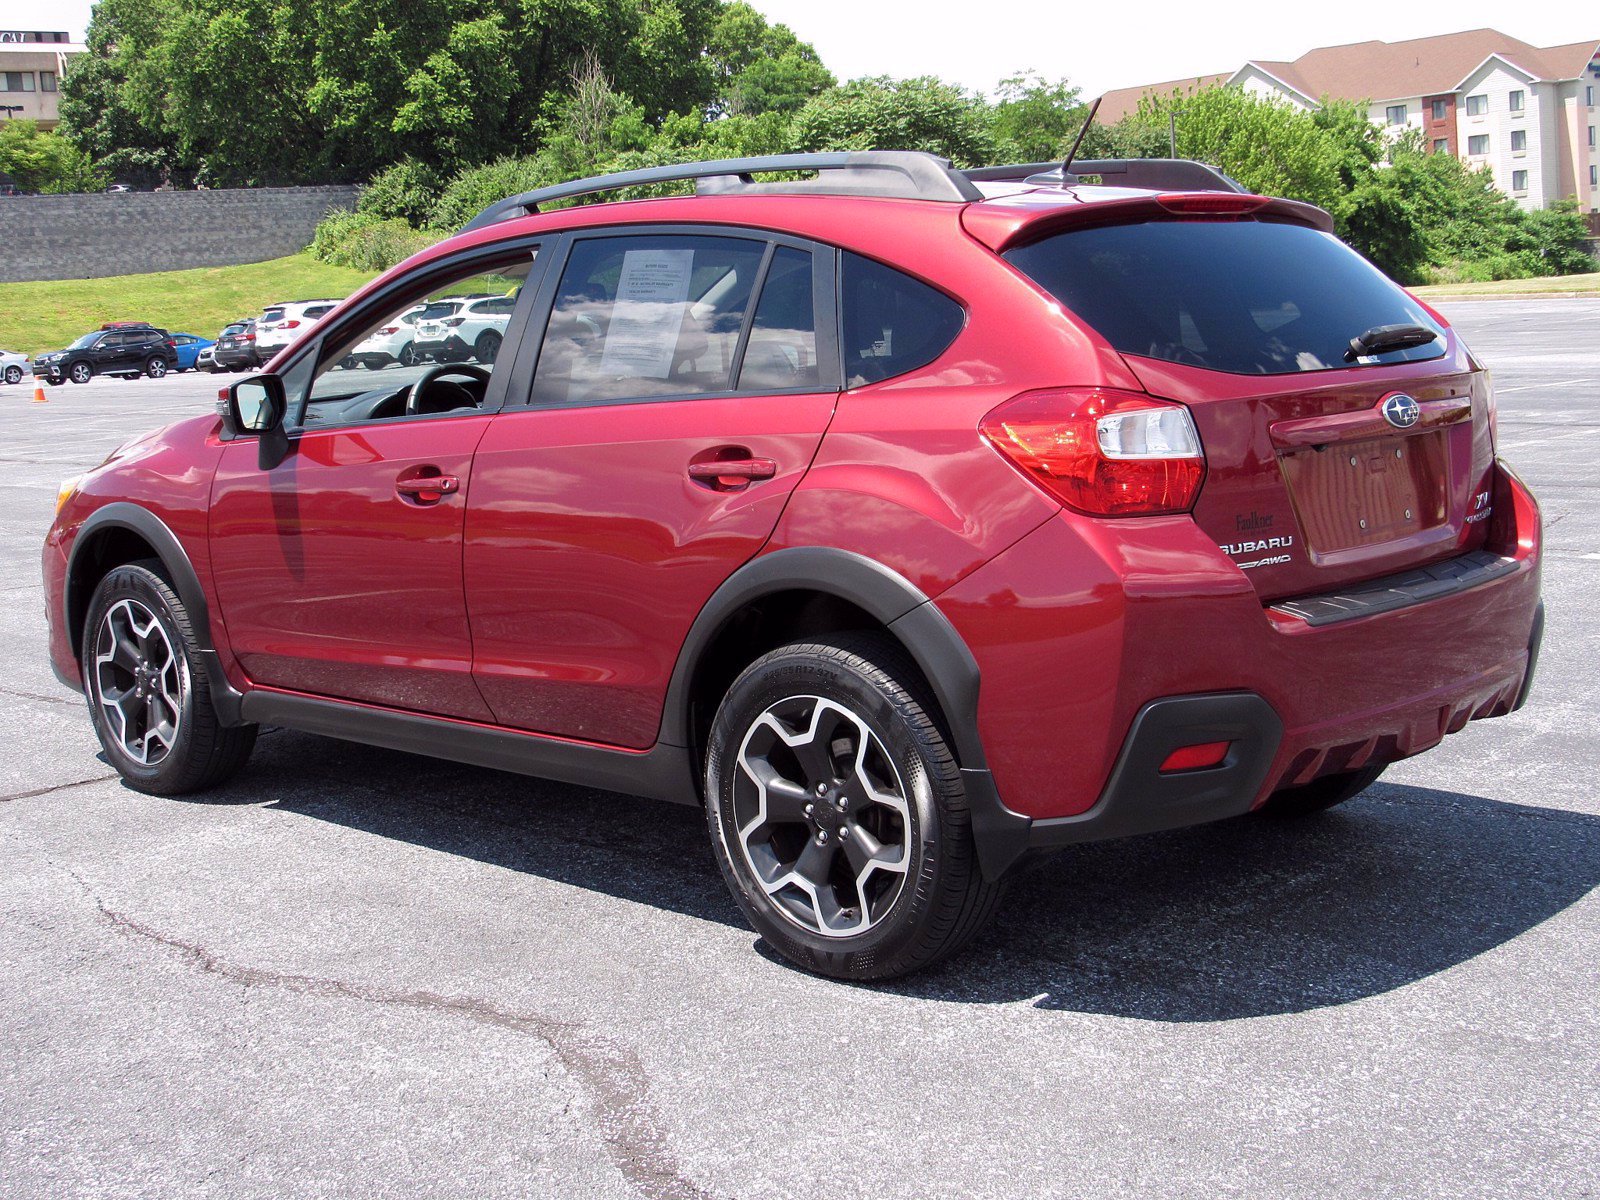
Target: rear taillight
(452,322)
(247,337)
(1100,451)
(290,325)
(388,329)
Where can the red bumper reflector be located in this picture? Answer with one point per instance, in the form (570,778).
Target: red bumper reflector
(1195,758)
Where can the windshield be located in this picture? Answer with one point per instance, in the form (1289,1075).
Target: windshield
(1247,297)
(85,341)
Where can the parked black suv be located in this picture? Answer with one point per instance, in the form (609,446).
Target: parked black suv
(127,350)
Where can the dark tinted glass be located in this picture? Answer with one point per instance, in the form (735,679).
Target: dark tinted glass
(782,351)
(1248,297)
(892,323)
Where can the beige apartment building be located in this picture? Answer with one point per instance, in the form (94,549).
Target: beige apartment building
(1528,113)
(31,67)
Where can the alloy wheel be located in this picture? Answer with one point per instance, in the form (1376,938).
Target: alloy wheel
(13,374)
(822,814)
(82,372)
(140,682)
(156,368)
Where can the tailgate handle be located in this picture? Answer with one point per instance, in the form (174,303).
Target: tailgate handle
(1366,424)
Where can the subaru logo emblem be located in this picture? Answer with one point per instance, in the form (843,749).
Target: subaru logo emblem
(1401,411)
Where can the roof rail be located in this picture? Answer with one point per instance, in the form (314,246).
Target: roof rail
(1156,174)
(902,174)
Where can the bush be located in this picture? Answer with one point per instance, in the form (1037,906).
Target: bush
(473,190)
(406,191)
(365,242)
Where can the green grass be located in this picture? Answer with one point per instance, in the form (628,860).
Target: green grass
(1548,285)
(35,317)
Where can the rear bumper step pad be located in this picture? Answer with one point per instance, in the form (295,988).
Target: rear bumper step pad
(1401,590)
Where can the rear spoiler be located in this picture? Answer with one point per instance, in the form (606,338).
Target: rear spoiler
(1149,174)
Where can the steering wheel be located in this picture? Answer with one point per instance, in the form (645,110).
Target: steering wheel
(437,371)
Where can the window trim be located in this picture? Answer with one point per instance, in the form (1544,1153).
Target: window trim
(1516,100)
(1484,111)
(824,274)
(1485,152)
(1389,113)
(1524,185)
(354,320)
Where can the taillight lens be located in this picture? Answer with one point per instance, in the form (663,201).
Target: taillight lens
(1102,452)
(452,322)
(388,329)
(290,325)
(1211,204)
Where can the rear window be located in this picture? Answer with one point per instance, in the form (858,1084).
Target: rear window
(434,312)
(272,314)
(1246,297)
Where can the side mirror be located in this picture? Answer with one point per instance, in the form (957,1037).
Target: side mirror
(256,408)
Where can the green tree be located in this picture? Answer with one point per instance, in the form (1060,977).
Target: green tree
(905,114)
(41,160)
(1035,120)
(760,68)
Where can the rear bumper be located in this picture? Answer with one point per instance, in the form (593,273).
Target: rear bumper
(1101,649)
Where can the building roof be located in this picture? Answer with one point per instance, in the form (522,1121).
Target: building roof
(1115,105)
(1379,71)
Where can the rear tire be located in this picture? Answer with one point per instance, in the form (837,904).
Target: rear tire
(148,693)
(837,812)
(13,374)
(486,347)
(1320,794)
(156,368)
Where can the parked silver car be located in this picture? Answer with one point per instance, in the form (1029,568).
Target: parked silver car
(14,368)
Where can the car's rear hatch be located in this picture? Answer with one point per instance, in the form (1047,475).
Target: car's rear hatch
(1323,466)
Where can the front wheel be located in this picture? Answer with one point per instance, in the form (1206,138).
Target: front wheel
(148,694)
(837,812)
(81,372)
(156,368)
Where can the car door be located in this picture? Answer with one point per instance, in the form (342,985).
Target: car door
(682,386)
(338,571)
(107,353)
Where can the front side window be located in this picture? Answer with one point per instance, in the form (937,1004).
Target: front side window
(1397,114)
(892,322)
(1478,143)
(1246,297)
(1477,105)
(382,370)
(1519,181)
(648,317)
(1516,101)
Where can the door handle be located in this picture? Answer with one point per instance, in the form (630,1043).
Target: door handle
(731,474)
(426,489)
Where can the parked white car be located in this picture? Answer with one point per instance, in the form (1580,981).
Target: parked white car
(14,367)
(280,324)
(456,328)
(390,342)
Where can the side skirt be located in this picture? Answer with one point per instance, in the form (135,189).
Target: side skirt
(663,772)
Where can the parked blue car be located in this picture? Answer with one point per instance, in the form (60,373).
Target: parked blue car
(189,346)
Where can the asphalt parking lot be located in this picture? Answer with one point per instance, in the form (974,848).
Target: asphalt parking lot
(356,972)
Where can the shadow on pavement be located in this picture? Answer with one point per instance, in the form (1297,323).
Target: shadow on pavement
(1244,918)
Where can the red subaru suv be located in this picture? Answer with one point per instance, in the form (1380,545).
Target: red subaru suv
(910,520)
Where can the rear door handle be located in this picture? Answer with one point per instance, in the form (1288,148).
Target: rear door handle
(426,489)
(732,473)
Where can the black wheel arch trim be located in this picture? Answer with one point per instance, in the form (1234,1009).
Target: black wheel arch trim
(882,593)
(925,632)
(180,571)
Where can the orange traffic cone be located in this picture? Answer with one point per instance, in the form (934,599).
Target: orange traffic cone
(38,394)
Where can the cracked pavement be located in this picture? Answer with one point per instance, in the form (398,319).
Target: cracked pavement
(353,972)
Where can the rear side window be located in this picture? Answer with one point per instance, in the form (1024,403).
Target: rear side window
(781,354)
(1246,297)
(892,323)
